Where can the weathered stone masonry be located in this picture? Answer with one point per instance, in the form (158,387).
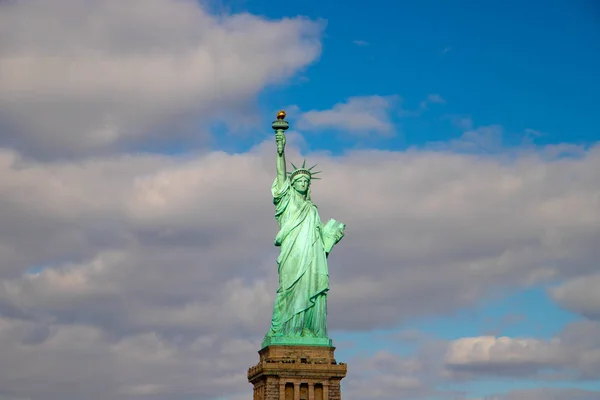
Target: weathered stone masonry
(297,373)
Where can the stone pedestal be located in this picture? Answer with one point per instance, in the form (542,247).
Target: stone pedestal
(297,373)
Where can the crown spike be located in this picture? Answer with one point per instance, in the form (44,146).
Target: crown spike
(303,170)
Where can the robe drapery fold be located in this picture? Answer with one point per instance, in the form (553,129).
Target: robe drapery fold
(300,305)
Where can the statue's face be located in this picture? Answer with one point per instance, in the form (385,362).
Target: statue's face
(301,184)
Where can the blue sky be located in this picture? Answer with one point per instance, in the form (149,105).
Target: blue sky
(521,65)
(458,139)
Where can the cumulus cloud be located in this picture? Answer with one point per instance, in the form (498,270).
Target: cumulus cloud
(546,394)
(435,364)
(170,249)
(489,351)
(389,376)
(128,275)
(460,121)
(486,139)
(575,350)
(424,105)
(80,77)
(358,116)
(433,98)
(79,361)
(580,295)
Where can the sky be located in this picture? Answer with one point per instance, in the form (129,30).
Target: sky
(459,142)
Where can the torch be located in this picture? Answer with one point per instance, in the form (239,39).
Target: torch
(280,125)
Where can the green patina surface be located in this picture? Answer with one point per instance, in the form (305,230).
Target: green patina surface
(300,309)
(296,341)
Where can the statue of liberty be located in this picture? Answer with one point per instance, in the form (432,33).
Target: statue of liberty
(300,310)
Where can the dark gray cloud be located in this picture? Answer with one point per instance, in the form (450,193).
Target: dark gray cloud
(142,276)
(546,394)
(177,249)
(580,295)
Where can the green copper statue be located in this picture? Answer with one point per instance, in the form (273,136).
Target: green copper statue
(300,311)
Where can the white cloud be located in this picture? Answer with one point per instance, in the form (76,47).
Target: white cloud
(575,350)
(445,50)
(181,248)
(461,121)
(85,76)
(489,350)
(432,99)
(486,139)
(564,149)
(435,98)
(547,394)
(434,364)
(386,375)
(152,276)
(358,116)
(83,362)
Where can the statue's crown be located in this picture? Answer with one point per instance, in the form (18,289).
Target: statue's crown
(303,171)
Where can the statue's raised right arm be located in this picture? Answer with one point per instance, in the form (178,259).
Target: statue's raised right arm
(281,172)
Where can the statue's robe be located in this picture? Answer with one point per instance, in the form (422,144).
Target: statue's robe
(300,306)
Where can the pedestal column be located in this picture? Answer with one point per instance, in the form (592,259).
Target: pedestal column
(301,365)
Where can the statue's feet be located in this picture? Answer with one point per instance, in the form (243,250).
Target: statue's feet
(273,333)
(308,333)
